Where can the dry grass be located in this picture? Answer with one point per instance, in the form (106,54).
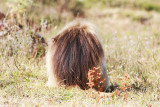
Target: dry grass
(131,40)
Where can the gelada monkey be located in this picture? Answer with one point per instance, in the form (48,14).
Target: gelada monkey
(72,52)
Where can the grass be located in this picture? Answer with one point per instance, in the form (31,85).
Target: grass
(135,4)
(131,45)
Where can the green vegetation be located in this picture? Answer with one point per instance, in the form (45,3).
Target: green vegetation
(129,31)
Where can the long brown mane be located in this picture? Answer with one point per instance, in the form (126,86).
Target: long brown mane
(76,51)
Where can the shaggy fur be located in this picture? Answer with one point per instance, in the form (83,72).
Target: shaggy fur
(71,54)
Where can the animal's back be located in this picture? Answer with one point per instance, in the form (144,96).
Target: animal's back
(77,50)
